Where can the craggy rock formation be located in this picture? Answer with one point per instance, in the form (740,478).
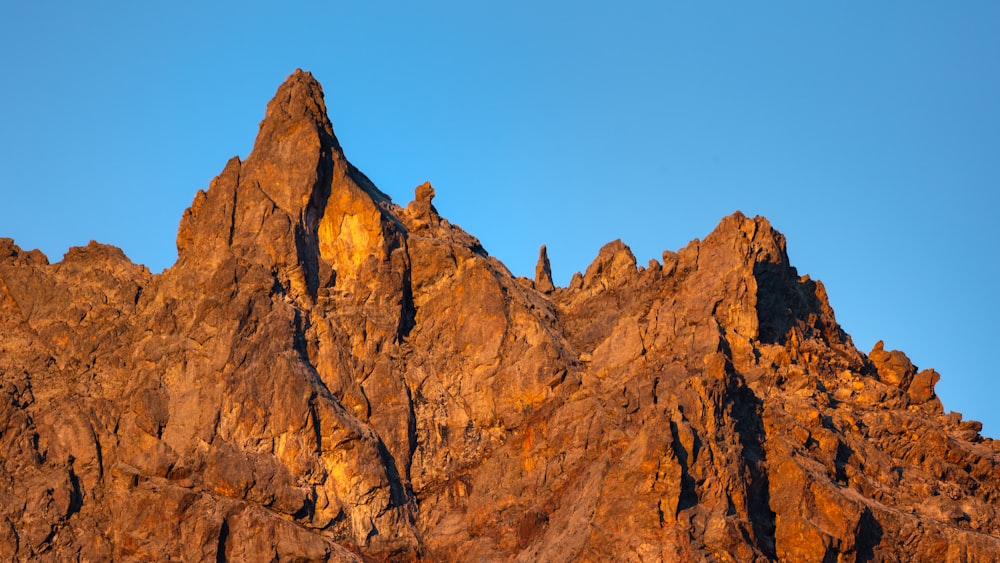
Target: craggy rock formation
(324,375)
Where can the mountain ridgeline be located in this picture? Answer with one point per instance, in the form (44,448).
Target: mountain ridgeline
(326,375)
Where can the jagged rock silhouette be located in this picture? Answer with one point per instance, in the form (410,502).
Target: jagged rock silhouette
(324,375)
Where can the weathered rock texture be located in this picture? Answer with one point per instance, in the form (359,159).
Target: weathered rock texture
(324,375)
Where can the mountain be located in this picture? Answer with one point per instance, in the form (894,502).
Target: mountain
(325,375)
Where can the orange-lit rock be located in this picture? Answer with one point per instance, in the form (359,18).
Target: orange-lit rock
(324,375)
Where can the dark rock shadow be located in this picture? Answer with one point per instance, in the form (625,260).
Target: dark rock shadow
(785,301)
(220,552)
(688,494)
(747,409)
(869,536)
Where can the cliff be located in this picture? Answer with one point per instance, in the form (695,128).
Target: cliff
(325,375)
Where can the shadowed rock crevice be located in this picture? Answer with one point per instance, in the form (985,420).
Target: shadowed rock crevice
(869,536)
(747,410)
(407,309)
(398,493)
(688,496)
(783,301)
(220,552)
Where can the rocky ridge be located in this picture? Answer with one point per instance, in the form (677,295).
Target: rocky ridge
(325,375)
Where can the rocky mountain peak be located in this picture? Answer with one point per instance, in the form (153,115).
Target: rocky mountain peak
(296,205)
(615,265)
(323,375)
(295,152)
(298,99)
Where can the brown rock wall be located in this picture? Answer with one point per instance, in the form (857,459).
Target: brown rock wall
(324,375)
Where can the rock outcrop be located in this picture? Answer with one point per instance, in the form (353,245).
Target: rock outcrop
(543,272)
(324,375)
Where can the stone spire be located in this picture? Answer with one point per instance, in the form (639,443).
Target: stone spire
(543,272)
(295,150)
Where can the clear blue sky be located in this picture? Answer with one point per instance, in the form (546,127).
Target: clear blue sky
(869,133)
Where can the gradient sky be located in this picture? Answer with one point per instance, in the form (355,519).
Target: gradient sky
(868,133)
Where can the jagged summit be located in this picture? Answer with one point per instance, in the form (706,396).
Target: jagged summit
(324,375)
(295,151)
(296,205)
(298,103)
(296,155)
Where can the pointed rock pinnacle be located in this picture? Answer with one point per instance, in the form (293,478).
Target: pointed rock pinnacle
(295,150)
(298,102)
(543,272)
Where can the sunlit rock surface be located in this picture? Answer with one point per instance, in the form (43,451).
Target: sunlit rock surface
(324,375)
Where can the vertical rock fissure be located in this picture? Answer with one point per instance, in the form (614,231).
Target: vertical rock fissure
(747,412)
(220,552)
(688,493)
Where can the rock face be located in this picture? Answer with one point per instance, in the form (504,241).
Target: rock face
(324,375)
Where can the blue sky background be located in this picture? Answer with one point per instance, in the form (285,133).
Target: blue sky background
(868,133)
